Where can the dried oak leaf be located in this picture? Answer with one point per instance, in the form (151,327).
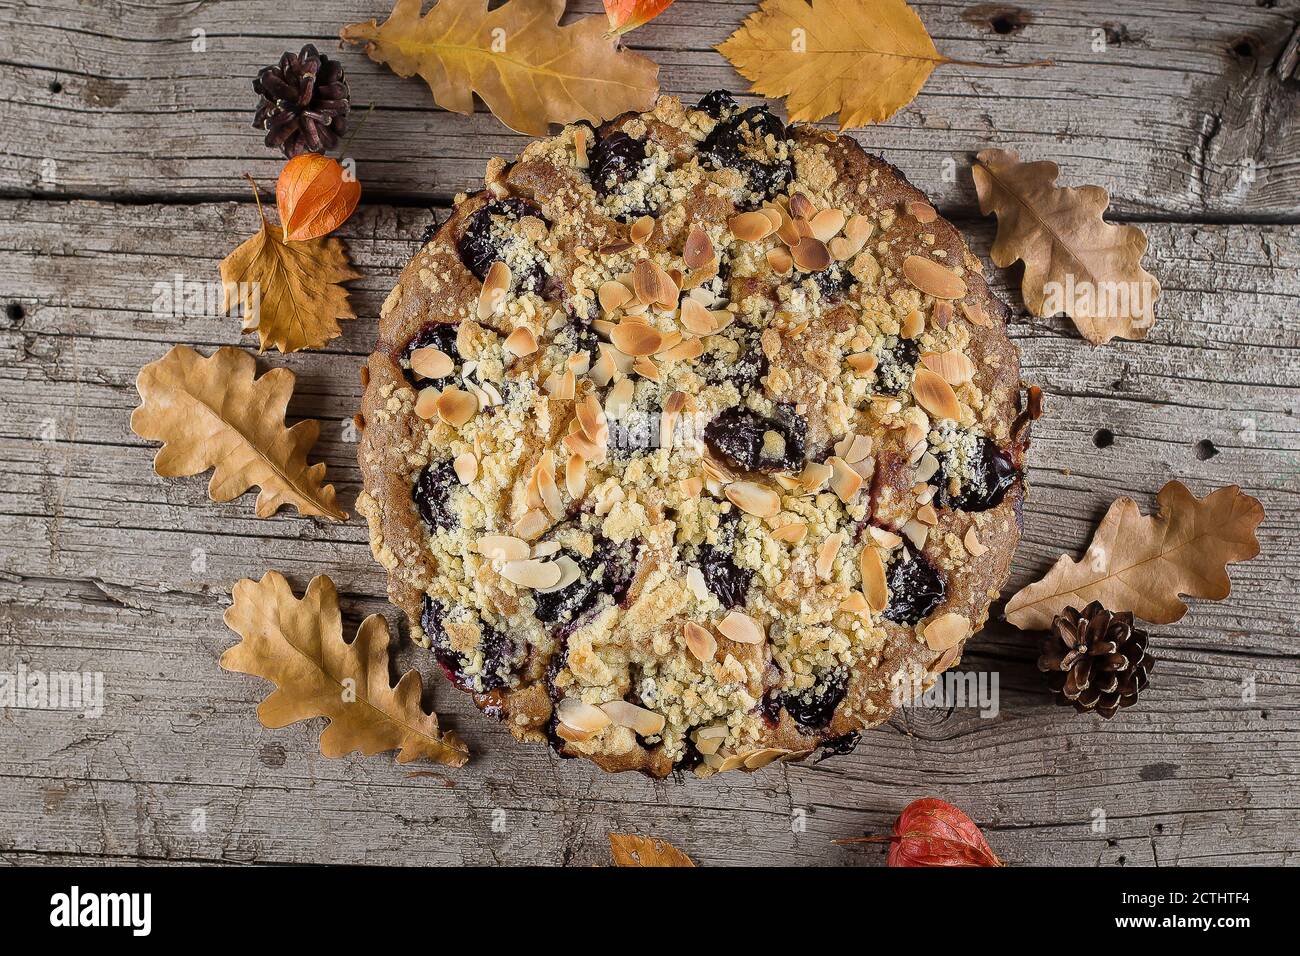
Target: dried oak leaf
(632,850)
(863,59)
(289,291)
(1075,261)
(299,646)
(1142,563)
(215,413)
(530,71)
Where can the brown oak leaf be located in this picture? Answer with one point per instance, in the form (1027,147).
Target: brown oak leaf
(530,71)
(631,850)
(299,646)
(1075,261)
(215,413)
(288,292)
(1142,563)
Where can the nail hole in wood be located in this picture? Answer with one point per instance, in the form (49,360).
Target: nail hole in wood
(1103,438)
(1205,449)
(1244,48)
(56,86)
(14,311)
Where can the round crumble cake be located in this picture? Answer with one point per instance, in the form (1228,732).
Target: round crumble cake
(693,441)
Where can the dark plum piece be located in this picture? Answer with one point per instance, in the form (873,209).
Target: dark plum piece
(479,249)
(432,494)
(833,282)
(814,708)
(440,335)
(726,580)
(896,364)
(915,589)
(744,371)
(736,435)
(614,159)
(838,746)
(609,570)
(992,475)
(735,141)
(718,104)
(500,653)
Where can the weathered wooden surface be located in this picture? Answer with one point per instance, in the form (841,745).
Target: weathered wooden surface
(106,567)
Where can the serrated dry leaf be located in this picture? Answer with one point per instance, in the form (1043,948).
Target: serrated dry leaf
(632,850)
(215,413)
(529,71)
(863,59)
(1075,261)
(299,646)
(1143,563)
(289,291)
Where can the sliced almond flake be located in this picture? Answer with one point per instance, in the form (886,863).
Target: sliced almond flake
(673,406)
(845,482)
(946,630)
(695,317)
(544,549)
(521,342)
(933,279)
(792,533)
(702,644)
(583,717)
(547,487)
(582,446)
(753,498)
(531,573)
(721,319)
(758,759)
(691,487)
(976,315)
(426,403)
(859,448)
(810,254)
(709,739)
(866,467)
(924,493)
(456,407)
(432,362)
(699,587)
(641,230)
(569,573)
(567,387)
(645,722)
(886,539)
(855,603)
(495,286)
(741,628)
(613,295)
(715,471)
(484,399)
(826,556)
(815,475)
(683,352)
(591,417)
(935,395)
(466,467)
(859,229)
(575,476)
(942,313)
(698,252)
(622,361)
(801,206)
(774,214)
(826,224)
(922,212)
(912,325)
(916,533)
(580,159)
(653,286)
(619,398)
(780,261)
(874,586)
(615,247)
(602,372)
(788,232)
(636,339)
(973,544)
(927,515)
(863,362)
(531,524)
(646,368)
(788,483)
(750,226)
(502,547)
(953,366)
(603,327)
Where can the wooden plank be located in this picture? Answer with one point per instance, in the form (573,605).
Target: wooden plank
(1181,109)
(109,568)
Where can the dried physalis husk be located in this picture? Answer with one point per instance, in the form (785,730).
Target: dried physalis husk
(456,407)
(946,630)
(642,230)
(698,252)
(741,628)
(521,342)
(811,255)
(466,467)
(935,395)
(700,642)
(495,286)
(826,224)
(636,339)
(874,588)
(645,722)
(432,362)
(953,366)
(754,499)
(922,212)
(933,279)
(974,546)
(751,226)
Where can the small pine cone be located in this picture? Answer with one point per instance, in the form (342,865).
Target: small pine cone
(1095,659)
(304,105)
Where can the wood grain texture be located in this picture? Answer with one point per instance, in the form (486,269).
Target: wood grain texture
(107,567)
(1191,99)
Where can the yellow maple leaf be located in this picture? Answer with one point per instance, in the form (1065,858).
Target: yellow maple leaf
(530,71)
(288,292)
(299,646)
(215,413)
(863,59)
(628,849)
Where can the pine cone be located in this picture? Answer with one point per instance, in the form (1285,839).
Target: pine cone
(1095,660)
(304,105)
